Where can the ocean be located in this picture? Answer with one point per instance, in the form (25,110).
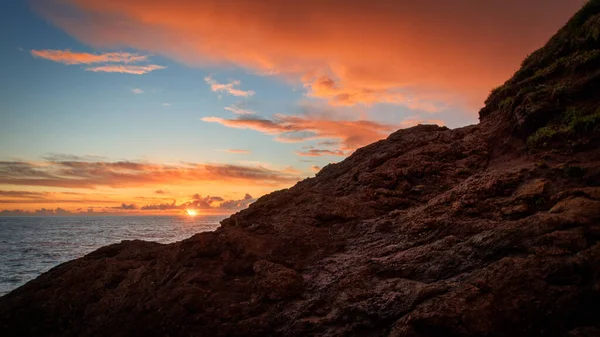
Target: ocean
(30,246)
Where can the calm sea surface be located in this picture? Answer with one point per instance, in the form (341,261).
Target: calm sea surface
(30,246)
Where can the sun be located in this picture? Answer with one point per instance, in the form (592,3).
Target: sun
(191,212)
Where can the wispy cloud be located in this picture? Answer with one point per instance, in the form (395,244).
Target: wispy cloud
(348,95)
(116,62)
(72,157)
(352,133)
(239,109)
(320,152)
(126,69)
(329,143)
(81,174)
(69,57)
(137,91)
(228,87)
(237,151)
(29,197)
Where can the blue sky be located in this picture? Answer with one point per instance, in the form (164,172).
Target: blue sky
(318,89)
(53,108)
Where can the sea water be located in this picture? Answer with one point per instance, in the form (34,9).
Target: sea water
(30,246)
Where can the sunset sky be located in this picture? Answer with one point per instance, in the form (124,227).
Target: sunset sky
(148,106)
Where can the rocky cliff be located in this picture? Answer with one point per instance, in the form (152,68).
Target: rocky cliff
(488,230)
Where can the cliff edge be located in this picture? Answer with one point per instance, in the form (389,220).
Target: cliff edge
(487,230)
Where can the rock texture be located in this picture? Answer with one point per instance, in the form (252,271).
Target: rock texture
(487,230)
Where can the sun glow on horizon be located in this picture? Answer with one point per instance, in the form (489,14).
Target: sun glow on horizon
(191,212)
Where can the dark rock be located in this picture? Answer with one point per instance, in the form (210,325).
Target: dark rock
(276,282)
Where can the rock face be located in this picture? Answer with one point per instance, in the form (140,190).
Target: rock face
(487,230)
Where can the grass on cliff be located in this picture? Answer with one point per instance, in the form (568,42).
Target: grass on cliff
(575,122)
(552,100)
(563,73)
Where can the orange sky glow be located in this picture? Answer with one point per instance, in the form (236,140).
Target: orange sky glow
(349,65)
(418,53)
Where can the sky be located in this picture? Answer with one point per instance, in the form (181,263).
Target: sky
(156,107)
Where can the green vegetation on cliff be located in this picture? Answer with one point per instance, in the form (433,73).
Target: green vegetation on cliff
(552,100)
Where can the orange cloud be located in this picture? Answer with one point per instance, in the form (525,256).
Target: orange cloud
(69,57)
(126,69)
(81,174)
(422,54)
(113,62)
(214,204)
(325,87)
(31,197)
(238,151)
(300,128)
(228,88)
(44,202)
